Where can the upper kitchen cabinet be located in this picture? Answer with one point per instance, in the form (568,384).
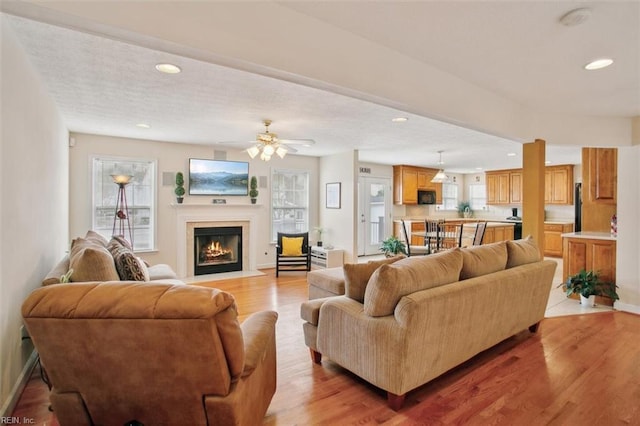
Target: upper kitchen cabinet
(599,188)
(505,186)
(407,180)
(558,184)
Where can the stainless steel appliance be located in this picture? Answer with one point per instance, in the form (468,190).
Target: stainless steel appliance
(577,204)
(517,223)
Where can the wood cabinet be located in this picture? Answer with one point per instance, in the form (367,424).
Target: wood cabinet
(553,238)
(494,234)
(599,188)
(412,226)
(558,184)
(407,180)
(505,186)
(590,254)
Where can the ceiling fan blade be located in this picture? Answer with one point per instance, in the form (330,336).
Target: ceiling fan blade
(305,142)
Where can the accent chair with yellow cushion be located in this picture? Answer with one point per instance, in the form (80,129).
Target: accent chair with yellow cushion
(293,252)
(160,354)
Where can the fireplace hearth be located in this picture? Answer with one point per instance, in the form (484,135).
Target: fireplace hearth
(217,249)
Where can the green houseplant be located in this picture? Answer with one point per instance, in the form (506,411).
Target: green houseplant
(179,191)
(253,189)
(464,209)
(588,283)
(393,246)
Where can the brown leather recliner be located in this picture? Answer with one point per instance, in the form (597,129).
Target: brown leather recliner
(159,354)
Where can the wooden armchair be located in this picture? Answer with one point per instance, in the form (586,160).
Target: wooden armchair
(293,252)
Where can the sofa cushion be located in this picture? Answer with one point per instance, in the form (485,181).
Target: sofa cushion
(130,267)
(161,271)
(521,252)
(483,260)
(93,236)
(357,275)
(91,262)
(389,283)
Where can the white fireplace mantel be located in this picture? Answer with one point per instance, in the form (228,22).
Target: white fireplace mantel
(188,217)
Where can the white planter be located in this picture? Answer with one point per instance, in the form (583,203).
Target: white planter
(588,302)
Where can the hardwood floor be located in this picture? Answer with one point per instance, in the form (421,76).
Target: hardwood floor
(576,370)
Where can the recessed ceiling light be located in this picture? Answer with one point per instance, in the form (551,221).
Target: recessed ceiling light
(511,154)
(143,126)
(478,168)
(598,64)
(399,119)
(168,68)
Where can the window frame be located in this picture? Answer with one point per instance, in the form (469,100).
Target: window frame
(126,163)
(275,190)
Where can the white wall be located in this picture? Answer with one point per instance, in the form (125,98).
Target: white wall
(340,224)
(173,157)
(628,241)
(34,202)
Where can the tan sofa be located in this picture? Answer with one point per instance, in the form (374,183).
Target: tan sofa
(403,324)
(94,258)
(160,354)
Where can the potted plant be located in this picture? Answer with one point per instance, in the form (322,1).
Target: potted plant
(179,191)
(464,209)
(393,246)
(319,230)
(587,284)
(253,191)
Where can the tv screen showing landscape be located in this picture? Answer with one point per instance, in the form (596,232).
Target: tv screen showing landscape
(217,177)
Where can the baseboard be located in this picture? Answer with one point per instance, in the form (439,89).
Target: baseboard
(11,402)
(634,309)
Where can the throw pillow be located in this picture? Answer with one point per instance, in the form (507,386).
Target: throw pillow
(484,259)
(292,246)
(357,275)
(122,240)
(130,267)
(96,238)
(389,283)
(92,263)
(521,252)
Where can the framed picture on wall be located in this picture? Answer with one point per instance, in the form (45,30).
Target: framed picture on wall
(333,195)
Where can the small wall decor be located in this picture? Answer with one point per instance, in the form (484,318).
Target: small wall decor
(333,195)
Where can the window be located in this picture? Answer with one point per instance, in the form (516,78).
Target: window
(289,201)
(477,196)
(449,196)
(140,194)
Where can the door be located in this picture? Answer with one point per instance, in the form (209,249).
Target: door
(374,214)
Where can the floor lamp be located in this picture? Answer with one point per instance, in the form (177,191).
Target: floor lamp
(122,210)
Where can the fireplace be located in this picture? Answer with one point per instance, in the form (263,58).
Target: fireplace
(217,249)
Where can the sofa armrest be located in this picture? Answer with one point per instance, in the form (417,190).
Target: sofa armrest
(257,331)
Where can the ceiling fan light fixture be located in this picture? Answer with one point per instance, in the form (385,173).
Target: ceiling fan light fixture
(253,151)
(268,150)
(281,151)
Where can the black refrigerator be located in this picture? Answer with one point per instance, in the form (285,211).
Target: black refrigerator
(577,204)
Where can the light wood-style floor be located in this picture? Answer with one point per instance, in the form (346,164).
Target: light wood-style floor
(577,370)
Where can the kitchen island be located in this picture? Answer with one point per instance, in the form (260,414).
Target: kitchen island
(591,251)
(496,231)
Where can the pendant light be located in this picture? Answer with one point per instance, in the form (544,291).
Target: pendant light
(440,176)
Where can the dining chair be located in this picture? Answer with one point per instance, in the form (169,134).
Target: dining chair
(413,250)
(432,229)
(479,234)
(450,235)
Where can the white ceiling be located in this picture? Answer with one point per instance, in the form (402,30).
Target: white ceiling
(517,50)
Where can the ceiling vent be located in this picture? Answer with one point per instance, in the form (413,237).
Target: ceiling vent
(575,17)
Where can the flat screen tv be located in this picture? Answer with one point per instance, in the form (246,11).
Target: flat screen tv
(218,177)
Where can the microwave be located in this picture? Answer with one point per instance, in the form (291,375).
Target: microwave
(426,197)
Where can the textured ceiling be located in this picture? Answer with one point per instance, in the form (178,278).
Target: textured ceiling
(104,86)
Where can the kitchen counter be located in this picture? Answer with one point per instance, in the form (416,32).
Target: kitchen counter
(590,235)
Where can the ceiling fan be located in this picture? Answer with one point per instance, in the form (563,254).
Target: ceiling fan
(268,143)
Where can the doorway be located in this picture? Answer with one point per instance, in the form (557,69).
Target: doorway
(374,213)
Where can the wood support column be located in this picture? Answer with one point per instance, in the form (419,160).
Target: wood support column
(533,191)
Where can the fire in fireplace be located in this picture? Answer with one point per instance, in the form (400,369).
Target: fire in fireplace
(217,249)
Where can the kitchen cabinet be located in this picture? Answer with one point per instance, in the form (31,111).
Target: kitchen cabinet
(412,226)
(599,188)
(407,180)
(553,237)
(591,251)
(497,232)
(497,188)
(505,186)
(558,184)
